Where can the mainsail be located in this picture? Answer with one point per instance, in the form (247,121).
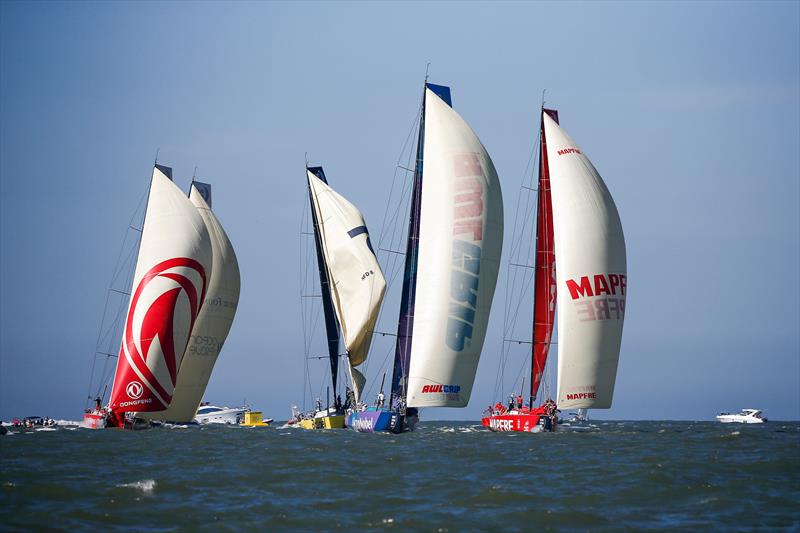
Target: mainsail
(591,275)
(355,281)
(544,303)
(452,261)
(169,286)
(215,318)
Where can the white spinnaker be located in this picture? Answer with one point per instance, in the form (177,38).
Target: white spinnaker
(590,258)
(460,242)
(172,231)
(357,282)
(212,325)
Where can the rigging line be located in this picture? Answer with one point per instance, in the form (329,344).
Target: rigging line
(394,177)
(117,267)
(391,251)
(381,367)
(403,203)
(527,176)
(394,221)
(516,253)
(528,214)
(406,150)
(395,266)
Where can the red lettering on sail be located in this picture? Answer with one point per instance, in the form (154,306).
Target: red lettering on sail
(600,285)
(468,198)
(467,164)
(582,396)
(584,289)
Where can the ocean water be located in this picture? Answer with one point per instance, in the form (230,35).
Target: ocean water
(446,476)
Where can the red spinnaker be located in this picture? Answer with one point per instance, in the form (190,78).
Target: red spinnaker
(138,389)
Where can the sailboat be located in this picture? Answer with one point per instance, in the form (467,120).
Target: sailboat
(169,287)
(352,287)
(454,242)
(580,263)
(213,322)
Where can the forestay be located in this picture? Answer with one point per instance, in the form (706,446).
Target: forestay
(460,242)
(590,272)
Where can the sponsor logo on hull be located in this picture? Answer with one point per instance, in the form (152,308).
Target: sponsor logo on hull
(362,424)
(513,423)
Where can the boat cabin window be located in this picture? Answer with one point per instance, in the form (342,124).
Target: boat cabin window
(206,410)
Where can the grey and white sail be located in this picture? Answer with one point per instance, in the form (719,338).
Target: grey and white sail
(460,242)
(356,281)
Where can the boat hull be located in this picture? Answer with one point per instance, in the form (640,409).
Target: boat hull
(736,419)
(526,423)
(400,423)
(225,416)
(323,422)
(94,421)
(369,421)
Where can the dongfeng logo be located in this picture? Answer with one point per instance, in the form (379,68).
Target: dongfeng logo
(134,390)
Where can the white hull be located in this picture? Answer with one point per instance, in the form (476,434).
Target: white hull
(730,419)
(220,415)
(747,416)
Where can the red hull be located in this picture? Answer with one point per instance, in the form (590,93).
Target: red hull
(94,420)
(518,422)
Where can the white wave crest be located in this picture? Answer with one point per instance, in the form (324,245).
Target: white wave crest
(68,422)
(147,486)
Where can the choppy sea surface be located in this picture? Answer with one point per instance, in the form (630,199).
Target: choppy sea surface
(446,476)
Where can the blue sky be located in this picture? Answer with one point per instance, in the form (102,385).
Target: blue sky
(691,113)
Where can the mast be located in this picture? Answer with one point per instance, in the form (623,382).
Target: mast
(331,325)
(544,302)
(405,324)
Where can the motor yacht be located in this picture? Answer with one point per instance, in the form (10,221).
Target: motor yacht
(747,416)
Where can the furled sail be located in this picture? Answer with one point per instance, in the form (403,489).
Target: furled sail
(215,318)
(357,284)
(460,242)
(169,286)
(591,275)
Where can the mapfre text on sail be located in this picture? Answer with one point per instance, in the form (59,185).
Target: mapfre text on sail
(600,296)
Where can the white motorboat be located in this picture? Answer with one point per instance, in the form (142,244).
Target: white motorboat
(214,414)
(747,416)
